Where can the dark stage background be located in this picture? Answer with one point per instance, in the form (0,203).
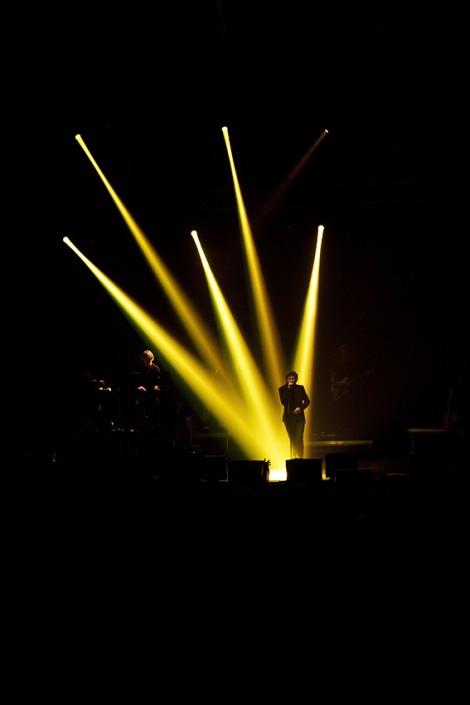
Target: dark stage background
(149,92)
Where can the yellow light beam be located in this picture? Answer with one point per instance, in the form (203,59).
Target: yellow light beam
(304,356)
(230,409)
(276,198)
(257,412)
(257,395)
(269,337)
(198,331)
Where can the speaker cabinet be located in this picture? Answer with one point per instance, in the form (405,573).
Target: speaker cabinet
(304,471)
(248,473)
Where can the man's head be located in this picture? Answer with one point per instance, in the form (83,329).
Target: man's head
(291,378)
(147,357)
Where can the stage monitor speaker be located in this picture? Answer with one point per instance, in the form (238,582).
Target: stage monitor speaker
(304,471)
(248,473)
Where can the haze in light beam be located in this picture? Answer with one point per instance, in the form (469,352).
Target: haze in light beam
(228,407)
(243,403)
(269,339)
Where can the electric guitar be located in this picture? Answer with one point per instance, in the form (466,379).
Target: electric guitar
(342,387)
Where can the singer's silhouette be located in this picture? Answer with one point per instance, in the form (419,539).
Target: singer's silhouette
(295,400)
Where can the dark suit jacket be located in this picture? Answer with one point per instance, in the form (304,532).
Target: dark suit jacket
(291,399)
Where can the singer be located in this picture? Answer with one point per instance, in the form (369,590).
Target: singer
(295,400)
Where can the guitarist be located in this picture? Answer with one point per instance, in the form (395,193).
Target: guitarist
(345,374)
(353,401)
